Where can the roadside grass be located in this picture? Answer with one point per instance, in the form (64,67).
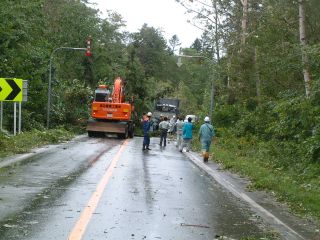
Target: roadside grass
(296,184)
(273,167)
(24,142)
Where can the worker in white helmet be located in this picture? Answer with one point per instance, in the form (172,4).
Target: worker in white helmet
(206,134)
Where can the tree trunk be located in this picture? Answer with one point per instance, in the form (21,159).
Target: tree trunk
(217,32)
(244,21)
(231,94)
(229,73)
(256,68)
(303,42)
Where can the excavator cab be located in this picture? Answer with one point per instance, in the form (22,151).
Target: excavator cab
(102,94)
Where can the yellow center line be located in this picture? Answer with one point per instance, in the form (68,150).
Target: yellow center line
(81,225)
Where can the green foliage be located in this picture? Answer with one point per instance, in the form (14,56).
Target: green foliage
(296,119)
(174,43)
(274,166)
(74,101)
(255,123)
(32,120)
(30,32)
(270,60)
(226,115)
(277,144)
(24,142)
(291,119)
(150,47)
(312,147)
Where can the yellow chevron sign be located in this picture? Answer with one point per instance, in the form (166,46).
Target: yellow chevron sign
(11,89)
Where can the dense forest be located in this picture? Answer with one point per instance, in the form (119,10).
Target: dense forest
(31,33)
(258,72)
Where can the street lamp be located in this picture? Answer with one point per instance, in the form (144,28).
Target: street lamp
(179,63)
(49,84)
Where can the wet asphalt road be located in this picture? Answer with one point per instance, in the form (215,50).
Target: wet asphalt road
(157,194)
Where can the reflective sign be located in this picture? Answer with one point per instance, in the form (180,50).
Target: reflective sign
(11,89)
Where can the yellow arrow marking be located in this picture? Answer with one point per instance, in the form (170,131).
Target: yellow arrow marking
(19,82)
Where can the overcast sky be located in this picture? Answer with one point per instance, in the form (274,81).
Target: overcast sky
(168,15)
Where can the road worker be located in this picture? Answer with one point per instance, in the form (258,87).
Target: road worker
(164,127)
(179,126)
(187,135)
(172,124)
(206,134)
(146,130)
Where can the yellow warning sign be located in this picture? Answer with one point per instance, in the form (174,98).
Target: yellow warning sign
(11,89)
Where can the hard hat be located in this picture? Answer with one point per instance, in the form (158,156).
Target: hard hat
(207,119)
(149,114)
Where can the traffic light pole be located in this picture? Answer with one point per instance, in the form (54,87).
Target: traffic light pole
(49,84)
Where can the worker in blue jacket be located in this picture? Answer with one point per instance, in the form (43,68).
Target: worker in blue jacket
(187,135)
(206,134)
(146,129)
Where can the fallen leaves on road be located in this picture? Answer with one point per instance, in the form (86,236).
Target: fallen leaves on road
(9,226)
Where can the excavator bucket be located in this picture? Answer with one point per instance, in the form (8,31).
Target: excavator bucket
(97,127)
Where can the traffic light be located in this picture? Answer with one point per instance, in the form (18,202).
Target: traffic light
(88,51)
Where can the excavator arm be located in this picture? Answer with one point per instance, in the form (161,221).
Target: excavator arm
(118,91)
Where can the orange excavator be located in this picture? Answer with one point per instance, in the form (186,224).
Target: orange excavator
(110,113)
